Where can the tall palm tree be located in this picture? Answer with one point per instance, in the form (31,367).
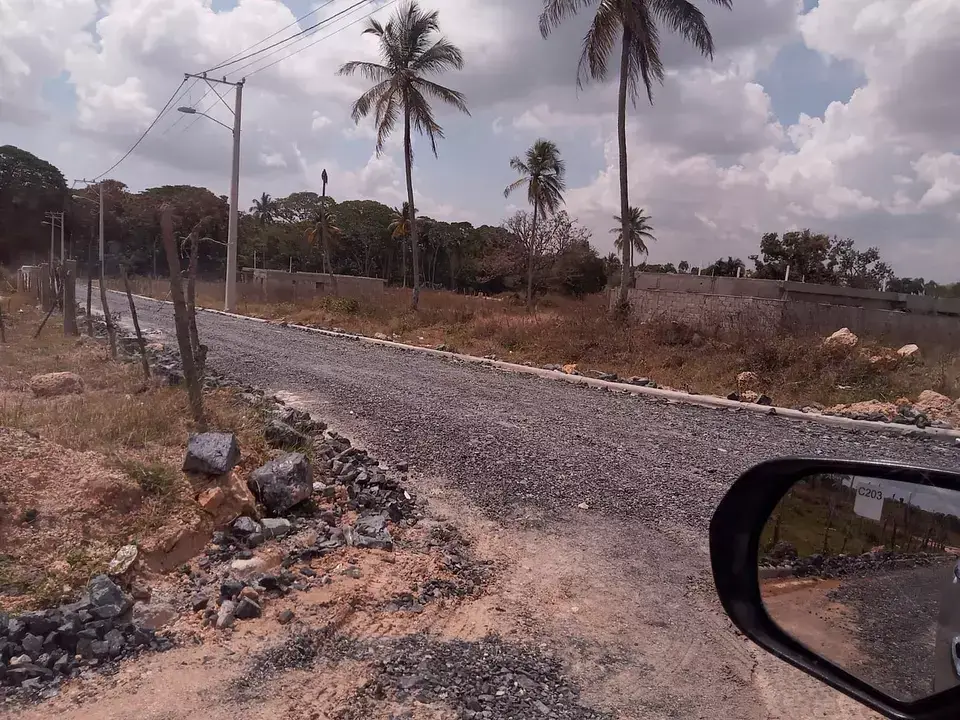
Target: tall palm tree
(542,171)
(323,227)
(409,51)
(400,229)
(635,25)
(640,231)
(264,209)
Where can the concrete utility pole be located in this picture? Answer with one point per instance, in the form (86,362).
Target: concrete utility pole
(230,295)
(52,219)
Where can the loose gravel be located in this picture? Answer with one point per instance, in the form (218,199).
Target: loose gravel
(896,619)
(514,442)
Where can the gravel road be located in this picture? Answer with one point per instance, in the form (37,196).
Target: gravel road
(896,621)
(518,447)
(513,440)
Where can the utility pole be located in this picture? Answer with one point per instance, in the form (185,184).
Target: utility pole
(230,294)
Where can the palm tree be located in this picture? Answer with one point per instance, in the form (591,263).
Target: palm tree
(323,226)
(264,209)
(634,24)
(409,52)
(640,231)
(400,230)
(543,173)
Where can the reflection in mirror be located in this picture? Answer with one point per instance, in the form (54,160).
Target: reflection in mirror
(864,572)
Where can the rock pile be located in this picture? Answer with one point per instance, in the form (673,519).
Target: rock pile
(833,566)
(930,410)
(39,650)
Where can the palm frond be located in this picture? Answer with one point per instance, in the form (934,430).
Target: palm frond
(451,97)
(687,21)
(599,42)
(556,11)
(440,56)
(370,71)
(361,108)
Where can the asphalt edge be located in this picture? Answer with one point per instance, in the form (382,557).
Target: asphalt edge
(669,395)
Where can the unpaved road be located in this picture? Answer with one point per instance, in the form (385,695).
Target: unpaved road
(623,588)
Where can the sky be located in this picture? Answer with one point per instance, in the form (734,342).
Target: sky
(839,115)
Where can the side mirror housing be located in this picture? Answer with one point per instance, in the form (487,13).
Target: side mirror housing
(800,543)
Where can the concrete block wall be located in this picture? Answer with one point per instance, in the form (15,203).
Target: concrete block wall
(279,286)
(732,315)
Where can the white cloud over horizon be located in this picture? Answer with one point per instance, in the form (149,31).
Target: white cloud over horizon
(711,161)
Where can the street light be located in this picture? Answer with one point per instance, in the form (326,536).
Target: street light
(230,295)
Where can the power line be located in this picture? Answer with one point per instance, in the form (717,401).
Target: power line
(273,35)
(328,35)
(149,128)
(288,39)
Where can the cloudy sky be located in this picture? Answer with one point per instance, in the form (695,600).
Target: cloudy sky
(838,115)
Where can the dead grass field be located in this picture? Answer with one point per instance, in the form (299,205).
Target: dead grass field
(792,370)
(119,443)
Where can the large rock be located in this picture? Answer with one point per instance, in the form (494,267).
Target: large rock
(282,483)
(935,405)
(55,384)
(228,500)
(748,381)
(212,453)
(280,435)
(909,351)
(842,339)
(106,598)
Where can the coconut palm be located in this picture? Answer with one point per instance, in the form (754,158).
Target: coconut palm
(640,231)
(264,209)
(542,171)
(323,226)
(634,25)
(400,229)
(410,51)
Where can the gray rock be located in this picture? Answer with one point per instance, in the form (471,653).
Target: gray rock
(285,617)
(212,453)
(226,617)
(39,623)
(280,435)
(32,645)
(107,598)
(20,660)
(276,527)
(370,531)
(282,483)
(244,526)
(199,602)
(247,610)
(16,629)
(230,588)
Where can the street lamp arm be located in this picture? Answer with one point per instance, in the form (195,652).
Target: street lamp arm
(194,111)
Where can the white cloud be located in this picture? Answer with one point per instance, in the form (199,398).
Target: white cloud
(710,160)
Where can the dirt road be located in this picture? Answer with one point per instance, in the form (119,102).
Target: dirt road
(622,590)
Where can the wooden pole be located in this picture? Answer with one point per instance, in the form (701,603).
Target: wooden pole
(111,331)
(70,298)
(181,320)
(199,351)
(89,288)
(141,345)
(3,332)
(46,317)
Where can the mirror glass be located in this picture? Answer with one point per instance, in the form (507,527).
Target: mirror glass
(864,572)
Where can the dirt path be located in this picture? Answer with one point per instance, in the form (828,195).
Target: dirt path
(621,592)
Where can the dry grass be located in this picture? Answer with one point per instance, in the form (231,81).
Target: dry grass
(120,428)
(793,370)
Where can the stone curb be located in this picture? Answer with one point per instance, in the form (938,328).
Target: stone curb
(669,395)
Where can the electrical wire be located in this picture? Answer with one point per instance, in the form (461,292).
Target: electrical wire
(328,35)
(149,128)
(273,35)
(288,39)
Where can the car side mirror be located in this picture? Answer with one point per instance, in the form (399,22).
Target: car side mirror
(849,572)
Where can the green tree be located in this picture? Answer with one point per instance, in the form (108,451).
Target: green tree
(264,209)
(29,187)
(635,24)
(640,231)
(401,228)
(725,268)
(409,52)
(543,173)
